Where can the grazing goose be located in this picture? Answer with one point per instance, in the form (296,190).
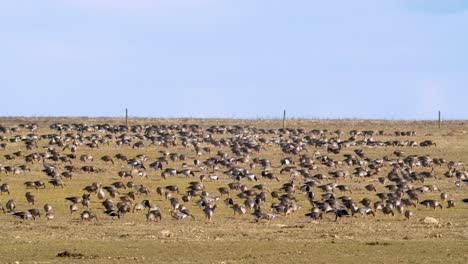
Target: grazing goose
(223,191)
(123,208)
(431,203)
(73,208)
(408,215)
(259,215)
(108,204)
(113,213)
(57,183)
(107,159)
(4,188)
(186,211)
(10,205)
(50,216)
(443,196)
(153,216)
(35,213)
(85,202)
(209,211)
(237,208)
(141,205)
(88,215)
(450,203)
(24,215)
(47,208)
(74,199)
(30,198)
(119,185)
(370,188)
(30,185)
(315,213)
(388,209)
(178,215)
(339,213)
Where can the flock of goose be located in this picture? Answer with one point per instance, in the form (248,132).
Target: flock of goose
(264,172)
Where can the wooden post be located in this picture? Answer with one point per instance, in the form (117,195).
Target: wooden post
(440,120)
(126,117)
(284,117)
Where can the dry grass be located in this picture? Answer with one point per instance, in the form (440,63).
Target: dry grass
(239,239)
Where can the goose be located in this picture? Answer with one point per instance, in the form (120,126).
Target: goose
(269,176)
(315,213)
(88,215)
(443,196)
(223,191)
(47,208)
(85,202)
(50,216)
(153,216)
(266,216)
(30,198)
(107,159)
(10,205)
(157,165)
(370,188)
(57,183)
(74,199)
(361,211)
(251,177)
(92,188)
(123,208)
(186,211)
(24,215)
(39,184)
(431,203)
(67,175)
(339,213)
(100,194)
(387,209)
(209,211)
(213,177)
(343,188)
(174,203)
(228,201)
(178,215)
(30,185)
(141,205)
(73,208)
(408,215)
(112,213)
(108,204)
(143,190)
(237,208)
(4,188)
(450,203)
(35,213)
(125,174)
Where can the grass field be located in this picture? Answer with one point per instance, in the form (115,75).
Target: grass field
(228,238)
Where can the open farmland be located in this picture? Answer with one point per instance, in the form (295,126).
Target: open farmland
(325,164)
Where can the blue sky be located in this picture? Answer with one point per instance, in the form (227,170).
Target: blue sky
(390,59)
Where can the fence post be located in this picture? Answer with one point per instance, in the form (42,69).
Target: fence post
(440,120)
(126,117)
(284,117)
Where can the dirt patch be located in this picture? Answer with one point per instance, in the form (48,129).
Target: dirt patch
(68,254)
(377,243)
